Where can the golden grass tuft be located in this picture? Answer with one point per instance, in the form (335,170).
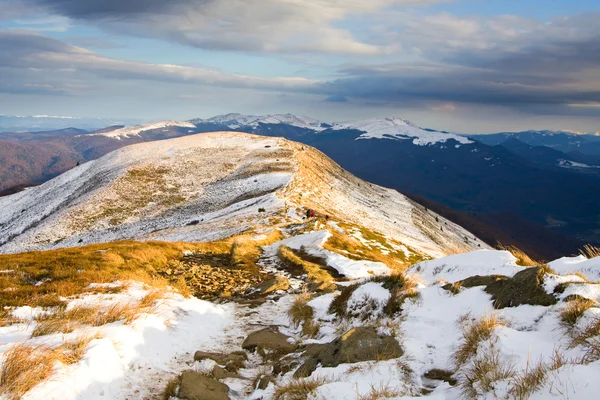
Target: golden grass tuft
(67,320)
(480,377)
(298,389)
(297,265)
(74,350)
(522,258)
(378,393)
(69,271)
(589,339)
(574,310)
(590,251)
(24,366)
(474,332)
(301,314)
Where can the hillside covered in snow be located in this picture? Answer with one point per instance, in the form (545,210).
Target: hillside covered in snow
(207,187)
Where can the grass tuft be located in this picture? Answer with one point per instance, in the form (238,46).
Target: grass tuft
(485,370)
(301,314)
(171,389)
(574,310)
(339,305)
(474,332)
(382,392)
(298,389)
(590,251)
(522,258)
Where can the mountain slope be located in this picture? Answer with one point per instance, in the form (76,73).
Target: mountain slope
(468,176)
(211,186)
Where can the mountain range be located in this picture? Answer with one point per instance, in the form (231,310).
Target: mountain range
(531,189)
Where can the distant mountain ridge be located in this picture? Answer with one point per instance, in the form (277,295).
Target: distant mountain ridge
(515,181)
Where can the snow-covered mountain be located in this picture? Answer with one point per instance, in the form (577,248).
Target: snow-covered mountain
(211,186)
(130,131)
(375,128)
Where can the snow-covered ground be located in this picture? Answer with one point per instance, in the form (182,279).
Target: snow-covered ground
(137,360)
(135,130)
(207,187)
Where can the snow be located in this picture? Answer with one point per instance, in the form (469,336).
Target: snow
(398,128)
(461,266)
(130,131)
(568,265)
(123,362)
(235,121)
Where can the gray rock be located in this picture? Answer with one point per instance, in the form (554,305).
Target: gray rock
(273,285)
(269,339)
(195,386)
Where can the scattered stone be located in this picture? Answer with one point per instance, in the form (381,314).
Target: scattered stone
(356,345)
(264,382)
(195,386)
(441,375)
(232,362)
(221,373)
(273,285)
(203,355)
(269,339)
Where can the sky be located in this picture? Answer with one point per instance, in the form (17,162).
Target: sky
(472,66)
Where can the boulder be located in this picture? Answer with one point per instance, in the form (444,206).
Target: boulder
(195,386)
(232,362)
(356,345)
(273,285)
(264,382)
(269,339)
(221,373)
(204,355)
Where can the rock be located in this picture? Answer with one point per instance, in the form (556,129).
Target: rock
(356,345)
(268,339)
(526,287)
(273,285)
(306,369)
(441,375)
(203,355)
(263,383)
(195,386)
(326,287)
(222,373)
(364,344)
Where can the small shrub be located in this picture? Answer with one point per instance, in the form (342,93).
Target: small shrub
(339,305)
(474,332)
(574,311)
(300,313)
(298,389)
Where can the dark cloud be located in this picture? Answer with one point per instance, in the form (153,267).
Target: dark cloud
(99,9)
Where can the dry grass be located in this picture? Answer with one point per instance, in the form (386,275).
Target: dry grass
(382,392)
(589,339)
(245,250)
(522,258)
(474,332)
(590,251)
(68,320)
(296,264)
(574,310)
(532,379)
(298,389)
(353,248)
(300,313)
(339,305)
(69,271)
(171,389)
(480,377)
(24,365)
(401,288)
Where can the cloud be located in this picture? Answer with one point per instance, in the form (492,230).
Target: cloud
(33,56)
(271,26)
(505,61)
